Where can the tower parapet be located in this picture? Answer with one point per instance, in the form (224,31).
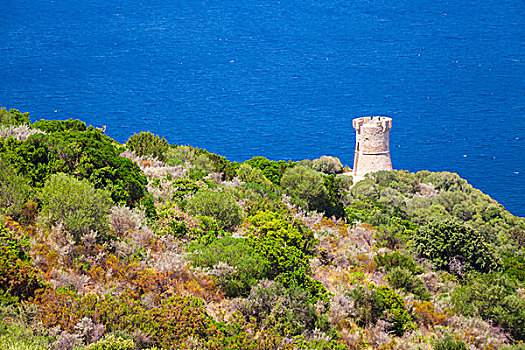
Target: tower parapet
(372,149)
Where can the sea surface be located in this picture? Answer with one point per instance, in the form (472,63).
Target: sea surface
(284,79)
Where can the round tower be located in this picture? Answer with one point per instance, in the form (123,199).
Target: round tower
(372,150)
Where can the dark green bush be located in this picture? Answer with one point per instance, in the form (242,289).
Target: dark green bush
(336,191)
(390,305)
(51,126)
(443,180)
(242,266)
(287,248)
(514,267)
(75,203)
(380,303)
(183,188)
(247,173)
(492,296)
(85,154)
(146,143)
(365,190)
(272,170)
(220,205)
(444,241)
(394,233)
(400,180)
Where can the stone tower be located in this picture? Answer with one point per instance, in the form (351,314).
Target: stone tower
(372,150)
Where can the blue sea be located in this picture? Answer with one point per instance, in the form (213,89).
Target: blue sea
(284,79)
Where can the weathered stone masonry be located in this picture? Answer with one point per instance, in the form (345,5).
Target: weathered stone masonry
(372,150)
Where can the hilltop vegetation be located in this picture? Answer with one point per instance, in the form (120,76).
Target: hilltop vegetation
(148,245)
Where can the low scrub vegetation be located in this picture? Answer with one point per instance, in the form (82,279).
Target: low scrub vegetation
(149,245)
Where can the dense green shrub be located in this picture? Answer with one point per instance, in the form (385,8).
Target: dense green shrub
(405,280)
(328,165)
(449,343)
(183,188)
(180,154)
(306,186)
(254,191)
(51,126)
(84,154)
(146,143)
(235,264)
(318,343)
(75,203)
(271,169)
(444,241)
(336,191)
(18,278)
(220,205)
(388,301)
(514,267)
(274,226)
(287,248)
(247,173)
(14,191)
(493,296)
(13,117)
(20,336)
(365,190)
(400,180)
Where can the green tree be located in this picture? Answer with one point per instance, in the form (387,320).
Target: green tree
(391,306)
(75,203)
(220,205)
(328,165)
(306,186)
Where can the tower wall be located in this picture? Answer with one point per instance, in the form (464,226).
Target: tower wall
(372,149)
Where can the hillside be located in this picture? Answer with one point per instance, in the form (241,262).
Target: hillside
(147,245)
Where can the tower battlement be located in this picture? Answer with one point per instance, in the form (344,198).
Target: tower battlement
(384,122)
(372,149)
